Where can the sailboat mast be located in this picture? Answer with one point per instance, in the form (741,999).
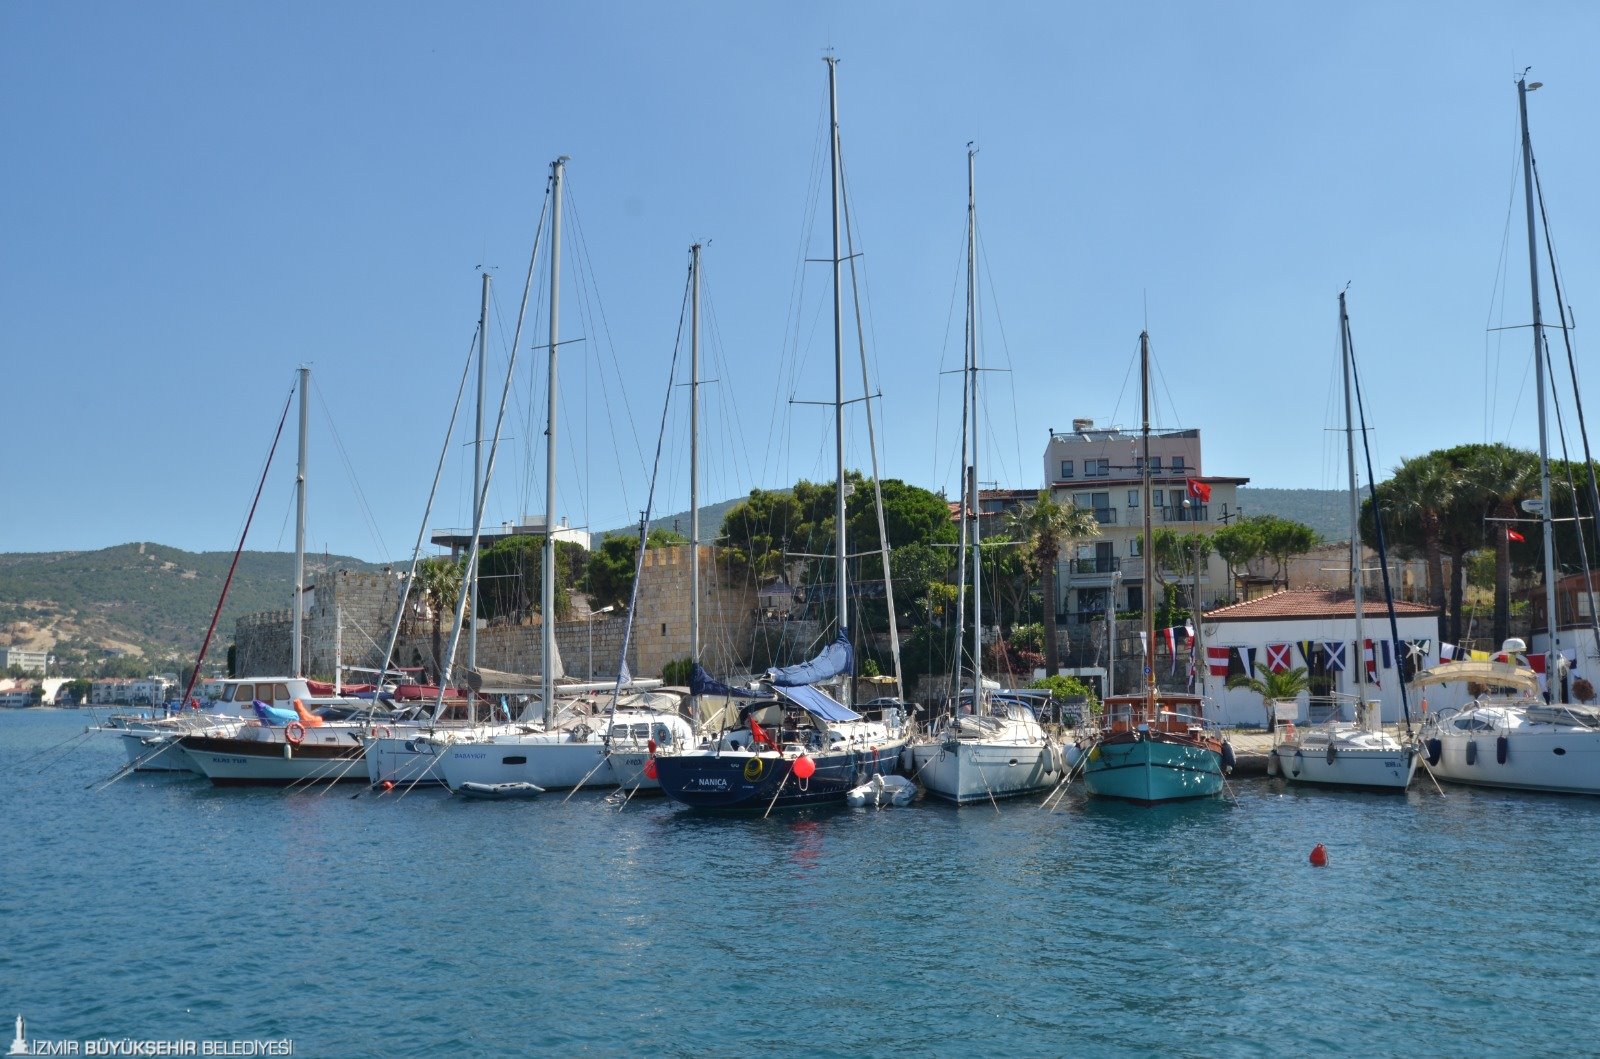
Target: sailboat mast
(841,588)
(1146,546)
(694,453)
(1356,587)
(1554,648)
(547,589)
(477,471)
(296,659)
(972,396)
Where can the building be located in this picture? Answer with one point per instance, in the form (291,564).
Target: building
(1101,469)
(460,540)
(24,659)
(1316,629)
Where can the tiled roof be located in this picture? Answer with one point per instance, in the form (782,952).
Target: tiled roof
(1314,603)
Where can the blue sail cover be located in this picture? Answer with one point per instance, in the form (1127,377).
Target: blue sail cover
(818,703)
(837,658)
(703,683)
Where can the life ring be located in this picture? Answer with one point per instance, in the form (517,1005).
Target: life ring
(380,731)
(295,732)
(754,769)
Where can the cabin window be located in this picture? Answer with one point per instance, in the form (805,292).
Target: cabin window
(280,693)
(242,693)
(517,759)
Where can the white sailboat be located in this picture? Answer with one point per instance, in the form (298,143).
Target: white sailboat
(1341,753)
(991,746)
(1511,736)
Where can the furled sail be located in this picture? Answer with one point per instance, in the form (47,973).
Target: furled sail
(836,659)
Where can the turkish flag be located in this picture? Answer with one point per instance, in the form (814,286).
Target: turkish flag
(758,734)
(1513,535)
(1199,490)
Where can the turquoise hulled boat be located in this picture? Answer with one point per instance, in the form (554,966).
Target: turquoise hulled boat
(1156,750)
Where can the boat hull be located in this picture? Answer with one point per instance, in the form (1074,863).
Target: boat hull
(1354,769)
(971,771)
(259,763)
(1554,761)
(405,761)
(1149,771)
(727,782)
(156,752)
(552,765)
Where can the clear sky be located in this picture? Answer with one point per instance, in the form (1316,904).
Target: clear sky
(198,197)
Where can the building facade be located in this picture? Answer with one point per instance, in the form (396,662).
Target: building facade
(1101,469)
(24,659)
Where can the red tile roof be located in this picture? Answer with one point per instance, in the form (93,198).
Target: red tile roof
(1314,603)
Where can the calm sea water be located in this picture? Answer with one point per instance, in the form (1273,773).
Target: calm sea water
(423,925)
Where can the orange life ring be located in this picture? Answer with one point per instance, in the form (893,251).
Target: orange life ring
(290,730)
(380,731)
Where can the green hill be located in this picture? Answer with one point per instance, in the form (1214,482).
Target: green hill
(143,596)
(1325,510)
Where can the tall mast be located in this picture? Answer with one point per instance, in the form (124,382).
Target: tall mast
(1554,649)
(547,589)
(974,507)
(841,588)
(1145,547)
(296,661)
(477,473)
(1356,587)
(694,453)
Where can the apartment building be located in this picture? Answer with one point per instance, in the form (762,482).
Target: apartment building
(26,660)
(1101,469)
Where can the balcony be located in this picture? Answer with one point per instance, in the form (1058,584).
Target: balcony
(1106,516)
(1181,513)
(1100,564)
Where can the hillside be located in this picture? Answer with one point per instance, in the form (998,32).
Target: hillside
(710,520)
(144,597)
(1325,510)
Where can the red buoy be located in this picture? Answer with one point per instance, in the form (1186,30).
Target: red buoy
(804,767)
(1319,856)
(650,768)
(388,785)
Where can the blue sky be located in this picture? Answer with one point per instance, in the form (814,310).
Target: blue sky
(199,197)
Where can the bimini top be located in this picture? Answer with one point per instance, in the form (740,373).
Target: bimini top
(817,703)
(1498,674)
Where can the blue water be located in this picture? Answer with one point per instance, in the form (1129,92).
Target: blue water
(424,925)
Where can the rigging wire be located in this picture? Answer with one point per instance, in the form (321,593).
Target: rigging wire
(355,483)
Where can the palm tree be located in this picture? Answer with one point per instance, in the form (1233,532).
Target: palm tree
(1502,477)
(1045,529)
(1422,490)
(437,586)
(1272,686)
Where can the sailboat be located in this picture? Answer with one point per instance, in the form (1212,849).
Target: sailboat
(568,749)
(1339,753)
(992,746)
(1152,746)
(1513,736)
(791,743)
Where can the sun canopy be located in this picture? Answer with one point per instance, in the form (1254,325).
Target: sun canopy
(817,703)
(1500,674)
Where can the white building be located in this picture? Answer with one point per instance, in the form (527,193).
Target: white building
(1316,629)
(26,660)
(459,541)
(1101,469)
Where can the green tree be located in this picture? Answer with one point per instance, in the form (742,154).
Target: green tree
(1272,686)
(436,587)
(611,566)
(1179,554)
(1238,545)
(1047,528)
(1282,538)
(1500,478)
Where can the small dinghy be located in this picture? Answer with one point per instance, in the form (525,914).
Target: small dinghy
(499,791)
(883,790)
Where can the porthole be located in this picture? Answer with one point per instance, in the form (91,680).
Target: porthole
(1560,750)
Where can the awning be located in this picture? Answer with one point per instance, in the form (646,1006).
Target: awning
(1499,674)
(817,703)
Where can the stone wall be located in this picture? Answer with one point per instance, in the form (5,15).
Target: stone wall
(352,611)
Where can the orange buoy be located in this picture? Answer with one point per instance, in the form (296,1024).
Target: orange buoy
(1319,856)
(650,768)
(388,785)
(804,767)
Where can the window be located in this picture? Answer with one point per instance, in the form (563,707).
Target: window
(1096,468)
(1156,498)
(1155,465)
(1083,501)
(1133,498)
(1178,465)
(1135,546)
(280,693)
(1086,552)
(1066,468)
